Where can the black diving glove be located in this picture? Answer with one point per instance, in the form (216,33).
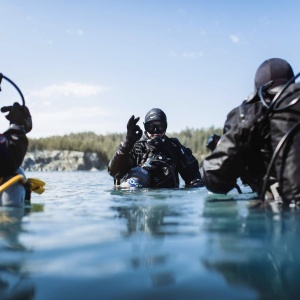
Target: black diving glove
(212,141)
(156,143)
(196,183)
(18,115)
(134,132)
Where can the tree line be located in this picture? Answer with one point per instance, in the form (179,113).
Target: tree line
(106,145)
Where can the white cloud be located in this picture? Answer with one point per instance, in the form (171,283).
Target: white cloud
(235,39)
(186,55)
(46,103)
(172,54)
(68,89)
(238,40)
(78,32)
(202,32)
(192,54)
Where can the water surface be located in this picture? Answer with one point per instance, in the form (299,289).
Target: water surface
(83,239)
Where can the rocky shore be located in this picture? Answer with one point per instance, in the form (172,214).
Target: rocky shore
(62,161)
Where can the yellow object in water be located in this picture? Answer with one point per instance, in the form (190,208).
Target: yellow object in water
(12,181)
(36,185)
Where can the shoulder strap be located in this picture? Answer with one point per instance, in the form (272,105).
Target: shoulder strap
(175,142)
(178,146)
(142,150)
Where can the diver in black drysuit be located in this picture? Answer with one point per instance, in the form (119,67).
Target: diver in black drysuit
(162,157)
(13,147)
(252,138)
(13,142)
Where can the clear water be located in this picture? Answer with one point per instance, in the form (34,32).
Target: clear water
(82,239)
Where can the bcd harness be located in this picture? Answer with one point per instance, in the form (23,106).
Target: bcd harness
(159,160)
(281,140)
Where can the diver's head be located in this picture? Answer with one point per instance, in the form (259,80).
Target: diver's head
(155,123)
(275,69)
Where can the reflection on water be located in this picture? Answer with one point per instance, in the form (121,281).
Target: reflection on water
(139,218)
(14,282)
(150,220)
(91,241)
(263,251)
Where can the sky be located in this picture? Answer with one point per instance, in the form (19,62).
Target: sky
(89,65)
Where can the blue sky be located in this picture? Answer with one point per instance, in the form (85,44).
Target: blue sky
(90,65)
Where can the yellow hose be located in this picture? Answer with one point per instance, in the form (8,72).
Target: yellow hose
(12,181)
(36,185)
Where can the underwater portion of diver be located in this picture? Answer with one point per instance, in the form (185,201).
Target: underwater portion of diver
(137,177)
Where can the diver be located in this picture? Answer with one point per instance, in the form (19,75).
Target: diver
(261,139)
(153,159)
(13,147)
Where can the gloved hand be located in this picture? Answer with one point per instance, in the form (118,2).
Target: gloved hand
(18,115)
(212,141)
(196,183)
(156,143)
(134,132)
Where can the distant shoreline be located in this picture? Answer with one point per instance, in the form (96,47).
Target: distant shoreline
(62,160)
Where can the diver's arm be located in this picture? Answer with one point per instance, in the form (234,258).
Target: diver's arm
(122,161)
(13,147)
(191,175)
(221,169)
(189,167)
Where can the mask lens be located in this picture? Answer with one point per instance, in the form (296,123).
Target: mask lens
(155,127)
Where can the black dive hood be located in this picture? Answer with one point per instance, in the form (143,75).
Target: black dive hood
(276,70)
(155,114)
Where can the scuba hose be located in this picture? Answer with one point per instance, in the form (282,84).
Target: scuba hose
(275,102)
(170,169)
(8,108)
(14,85)
(283,140)
(148,166)
(272,108)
